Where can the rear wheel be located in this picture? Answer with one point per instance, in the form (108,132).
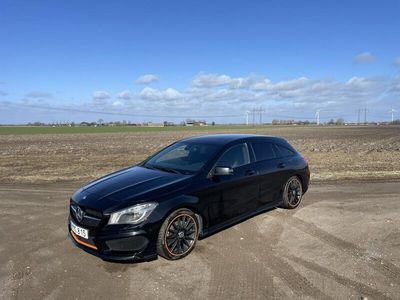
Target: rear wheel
(292,192)
(178,234)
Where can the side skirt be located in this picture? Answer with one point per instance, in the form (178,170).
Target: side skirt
(209,231)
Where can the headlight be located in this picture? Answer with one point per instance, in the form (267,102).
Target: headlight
(132,215)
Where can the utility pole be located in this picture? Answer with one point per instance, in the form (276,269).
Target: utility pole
(254,113)
(365,116)
(261,110)
(358,117)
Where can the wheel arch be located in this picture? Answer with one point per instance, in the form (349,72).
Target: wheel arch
(303,181)
(187,202)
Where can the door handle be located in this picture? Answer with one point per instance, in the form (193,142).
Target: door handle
(281,165)
(250,172)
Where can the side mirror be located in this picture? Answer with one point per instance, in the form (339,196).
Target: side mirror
(222,171)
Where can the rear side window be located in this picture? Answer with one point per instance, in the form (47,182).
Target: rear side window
(283,151)
(263,151)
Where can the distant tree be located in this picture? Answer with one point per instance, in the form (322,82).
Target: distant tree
(213,123)
(100,121)
(331,122)
(340,121)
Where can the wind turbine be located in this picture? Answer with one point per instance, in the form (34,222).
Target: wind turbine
(247,116)
(317,115)
(392,111)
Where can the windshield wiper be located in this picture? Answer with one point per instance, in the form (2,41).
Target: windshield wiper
(165,169)
(170,170)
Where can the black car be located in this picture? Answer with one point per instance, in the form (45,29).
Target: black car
(186,191)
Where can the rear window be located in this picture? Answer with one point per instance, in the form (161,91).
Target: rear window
(263,151)
(283,151)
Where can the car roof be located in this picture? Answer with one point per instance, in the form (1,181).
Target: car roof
(222,139)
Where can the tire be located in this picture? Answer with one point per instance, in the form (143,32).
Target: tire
(178,234)
(292,193)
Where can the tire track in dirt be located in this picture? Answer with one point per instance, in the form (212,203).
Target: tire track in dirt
(298,283)
(302,284)
(234,275)
(386,268)
(366,290)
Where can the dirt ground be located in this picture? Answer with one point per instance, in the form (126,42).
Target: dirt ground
(347,152)
(341,243)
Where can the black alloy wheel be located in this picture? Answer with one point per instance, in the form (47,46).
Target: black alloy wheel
(178,235)
(292,193)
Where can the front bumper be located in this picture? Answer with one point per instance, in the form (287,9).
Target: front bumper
(132,245)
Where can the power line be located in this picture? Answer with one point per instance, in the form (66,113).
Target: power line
(122,114)
(258,110)
(254,112)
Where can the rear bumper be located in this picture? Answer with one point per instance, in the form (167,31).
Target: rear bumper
(305,178)
(126,246)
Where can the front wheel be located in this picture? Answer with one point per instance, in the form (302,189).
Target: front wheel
(292,193)
(178,234)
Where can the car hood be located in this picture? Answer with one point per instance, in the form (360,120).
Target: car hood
(128,187)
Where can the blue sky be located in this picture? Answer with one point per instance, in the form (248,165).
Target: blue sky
(208,59)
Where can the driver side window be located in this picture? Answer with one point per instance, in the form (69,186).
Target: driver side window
(234,157)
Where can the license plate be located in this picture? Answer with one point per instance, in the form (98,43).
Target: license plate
(82,232)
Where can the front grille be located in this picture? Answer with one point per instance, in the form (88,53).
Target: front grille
(90,218)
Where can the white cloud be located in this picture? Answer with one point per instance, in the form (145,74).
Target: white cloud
(217,80)
(210,80)
(364,57)
(263,84)
(221,94)
(117,103)
(147,78)
(101,95)
(38,94)
(125,95)
(155,94)
(395,86)
(293,84)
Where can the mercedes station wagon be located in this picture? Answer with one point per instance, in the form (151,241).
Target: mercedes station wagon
(186,191)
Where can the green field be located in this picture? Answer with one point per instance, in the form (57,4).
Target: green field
(18,130)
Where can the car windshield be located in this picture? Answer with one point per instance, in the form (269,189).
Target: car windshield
(182,157)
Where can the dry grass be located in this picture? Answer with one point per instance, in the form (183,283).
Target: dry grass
(334,153)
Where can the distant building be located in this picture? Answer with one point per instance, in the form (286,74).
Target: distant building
(190,122)
(151,124)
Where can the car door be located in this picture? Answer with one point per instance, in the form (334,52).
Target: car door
(284,163)
(267,165)
(238,192)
